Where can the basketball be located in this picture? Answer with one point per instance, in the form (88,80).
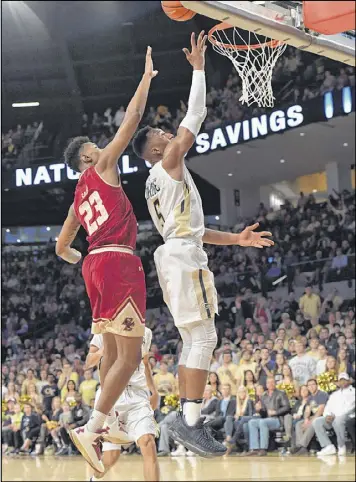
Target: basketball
(176,11)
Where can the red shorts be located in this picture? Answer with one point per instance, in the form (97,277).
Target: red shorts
(115,283)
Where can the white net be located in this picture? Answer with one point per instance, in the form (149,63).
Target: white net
(253,65)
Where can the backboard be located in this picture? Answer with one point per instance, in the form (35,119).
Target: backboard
(279,20)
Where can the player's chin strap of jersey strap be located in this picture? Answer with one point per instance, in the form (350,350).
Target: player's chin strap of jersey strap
(197,103)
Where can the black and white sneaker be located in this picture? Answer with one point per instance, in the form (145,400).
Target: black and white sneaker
(197,438)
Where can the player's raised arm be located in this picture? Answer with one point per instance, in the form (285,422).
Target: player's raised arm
(66,237)
(134,112)
(248,238)
(190,126)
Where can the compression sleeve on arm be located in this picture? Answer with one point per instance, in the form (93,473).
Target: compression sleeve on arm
(197,103)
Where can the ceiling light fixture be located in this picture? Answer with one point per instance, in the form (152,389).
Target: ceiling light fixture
(230,174)
(217,218)
(302,134)
(8,230)
(48,228)
(345,144)
(25,104)
(315,190)
(282,161)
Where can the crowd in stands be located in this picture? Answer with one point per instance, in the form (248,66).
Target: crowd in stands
(297,77)
(19,146)
(283,364)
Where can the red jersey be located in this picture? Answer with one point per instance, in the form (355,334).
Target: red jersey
(104,211)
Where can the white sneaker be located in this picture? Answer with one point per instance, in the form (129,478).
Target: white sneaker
(88,445)
(328,450)
(179,452)
(342,450)
(115,433)
(191,454)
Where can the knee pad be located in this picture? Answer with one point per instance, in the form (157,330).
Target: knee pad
(204,340)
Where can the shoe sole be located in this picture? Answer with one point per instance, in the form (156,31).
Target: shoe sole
(207,455)
(82,450)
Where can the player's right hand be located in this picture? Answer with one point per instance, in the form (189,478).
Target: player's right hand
(149,64)
(196,57)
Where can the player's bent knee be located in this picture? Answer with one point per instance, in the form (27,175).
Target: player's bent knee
(147,444)
(204,340)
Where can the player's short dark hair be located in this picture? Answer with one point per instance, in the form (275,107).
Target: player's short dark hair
(140,140)
(71,154)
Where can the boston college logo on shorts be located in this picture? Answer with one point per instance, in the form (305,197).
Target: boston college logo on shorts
(128,324)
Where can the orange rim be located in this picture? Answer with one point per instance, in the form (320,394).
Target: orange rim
(224,26)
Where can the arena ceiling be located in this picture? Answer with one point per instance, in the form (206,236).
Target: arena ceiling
(85,56)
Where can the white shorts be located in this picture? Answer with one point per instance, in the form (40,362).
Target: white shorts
(135,413)
(186,281)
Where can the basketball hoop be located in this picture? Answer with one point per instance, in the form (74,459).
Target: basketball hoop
(254,61)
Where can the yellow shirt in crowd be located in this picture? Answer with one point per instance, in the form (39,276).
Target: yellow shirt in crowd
(314,354)
(16,419)
(73,376)
(310,305)
(165,383)
(243,367)
(225,378)
(87,390)
(25,383)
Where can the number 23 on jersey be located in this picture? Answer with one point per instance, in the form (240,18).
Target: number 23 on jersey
(93,219)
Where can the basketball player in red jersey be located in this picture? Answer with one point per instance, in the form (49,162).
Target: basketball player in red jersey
(113,275)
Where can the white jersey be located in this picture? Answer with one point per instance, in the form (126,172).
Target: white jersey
(138,379)
(175,206)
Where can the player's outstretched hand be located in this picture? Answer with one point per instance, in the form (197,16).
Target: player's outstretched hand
(249,237)
(149,64)
(196,57)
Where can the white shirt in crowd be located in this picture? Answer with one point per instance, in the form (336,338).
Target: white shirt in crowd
(119,117)
(303,368)
(340,402)
(4,391)
(320,367)
(138,379)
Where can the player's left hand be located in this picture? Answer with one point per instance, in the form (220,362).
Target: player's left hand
(249,237)
(149,64)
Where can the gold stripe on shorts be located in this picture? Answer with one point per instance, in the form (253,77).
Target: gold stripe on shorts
(204,291)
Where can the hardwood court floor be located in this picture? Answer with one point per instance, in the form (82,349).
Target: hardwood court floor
(185,468)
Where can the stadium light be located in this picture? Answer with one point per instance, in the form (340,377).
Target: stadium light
(25,104)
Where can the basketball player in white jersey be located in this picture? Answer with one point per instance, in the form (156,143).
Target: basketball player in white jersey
(182,264)
(133,412)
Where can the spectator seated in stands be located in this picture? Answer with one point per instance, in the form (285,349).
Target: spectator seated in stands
(29,429)
(228,373)
(303,365)
(236,426)
(304,429)
(340,405)
(223,408)
(273,406)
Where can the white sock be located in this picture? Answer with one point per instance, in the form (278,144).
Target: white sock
(96,421)
(191,411)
